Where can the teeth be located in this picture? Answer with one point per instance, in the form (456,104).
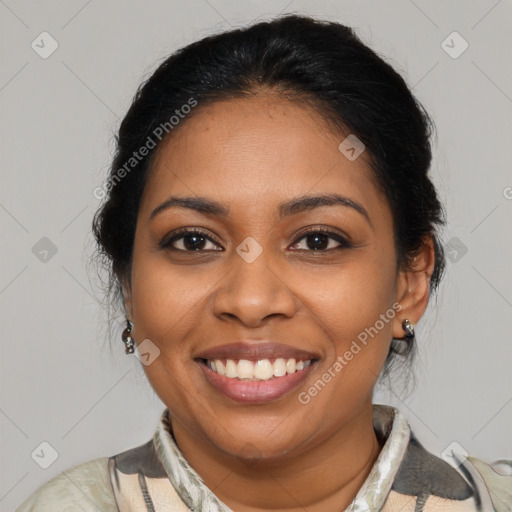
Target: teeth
(290,366)
(262,369)
(219,367)
(231,371)
(279,367)
(245,369)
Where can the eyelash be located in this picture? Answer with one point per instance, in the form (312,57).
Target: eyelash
(182,233)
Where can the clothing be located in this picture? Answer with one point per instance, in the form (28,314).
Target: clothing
(156,477)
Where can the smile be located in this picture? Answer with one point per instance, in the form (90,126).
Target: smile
(255,372)
(254,382)
(260,370)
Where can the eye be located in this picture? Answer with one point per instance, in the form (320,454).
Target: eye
(321,240)
(192,240)
(189,240)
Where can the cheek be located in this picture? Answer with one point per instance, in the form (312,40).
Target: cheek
(166,297)
(166,303)
(355,311)
(351,297)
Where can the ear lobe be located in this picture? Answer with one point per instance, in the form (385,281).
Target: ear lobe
(413,287)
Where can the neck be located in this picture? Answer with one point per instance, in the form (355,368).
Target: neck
(325,477)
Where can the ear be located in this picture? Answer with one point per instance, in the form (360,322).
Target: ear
(413,286)
(126,291)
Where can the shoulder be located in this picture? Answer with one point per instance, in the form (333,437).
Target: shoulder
(423,473)
(468,485)
(495,478)
(81,488)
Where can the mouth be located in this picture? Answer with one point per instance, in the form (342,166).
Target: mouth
(256,373)
(253,371)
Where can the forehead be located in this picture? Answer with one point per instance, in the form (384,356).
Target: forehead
(255,150)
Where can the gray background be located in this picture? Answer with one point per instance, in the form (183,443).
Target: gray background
(61,383)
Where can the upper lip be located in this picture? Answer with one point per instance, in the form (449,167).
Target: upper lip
(256,350)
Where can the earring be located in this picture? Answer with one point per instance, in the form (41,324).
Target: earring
(402,346)
(127,339)
(408,328)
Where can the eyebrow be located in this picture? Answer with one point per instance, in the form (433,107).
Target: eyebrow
(290,207)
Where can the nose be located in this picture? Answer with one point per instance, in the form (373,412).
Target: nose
(254,292)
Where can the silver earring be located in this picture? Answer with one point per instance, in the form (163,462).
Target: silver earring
(127,339)
(408,328)
(402,346)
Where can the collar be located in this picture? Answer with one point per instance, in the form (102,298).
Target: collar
(388,423)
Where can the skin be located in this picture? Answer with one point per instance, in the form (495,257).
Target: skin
(253,154)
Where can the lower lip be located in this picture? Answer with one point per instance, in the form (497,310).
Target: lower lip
(255,391)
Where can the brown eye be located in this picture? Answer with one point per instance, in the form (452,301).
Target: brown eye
(188,240)
(321,240)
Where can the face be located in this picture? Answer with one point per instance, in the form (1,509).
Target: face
(252,268)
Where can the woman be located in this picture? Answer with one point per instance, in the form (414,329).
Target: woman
(270,227)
